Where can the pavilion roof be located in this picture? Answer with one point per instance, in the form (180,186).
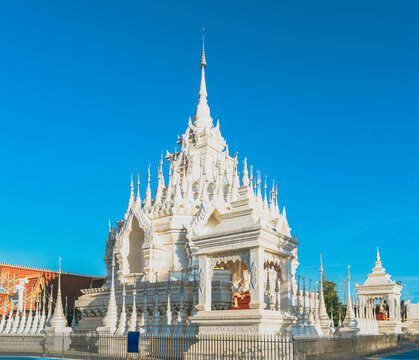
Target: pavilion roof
(379,281)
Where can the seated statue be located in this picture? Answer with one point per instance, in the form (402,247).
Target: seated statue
(381,308)
(244,286)
(381,315)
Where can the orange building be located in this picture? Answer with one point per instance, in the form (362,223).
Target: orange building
(36,281)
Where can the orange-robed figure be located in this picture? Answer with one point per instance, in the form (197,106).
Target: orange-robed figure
(244,288)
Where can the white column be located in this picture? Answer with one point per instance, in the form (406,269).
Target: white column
(390,303)
(257,273)
(285,288)
(205,278)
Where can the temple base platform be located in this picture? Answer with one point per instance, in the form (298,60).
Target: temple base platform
(390,327)
(412,326)
(58,339)
(245,322)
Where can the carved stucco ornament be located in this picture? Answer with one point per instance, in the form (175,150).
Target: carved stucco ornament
(277,262)
(201,280)
(225,258)
(253,271)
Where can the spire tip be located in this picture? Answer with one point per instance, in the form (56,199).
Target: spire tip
(203,63)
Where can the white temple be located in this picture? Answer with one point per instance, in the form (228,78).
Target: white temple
(211,253)
(209,224)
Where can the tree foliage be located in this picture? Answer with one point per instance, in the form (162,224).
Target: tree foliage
(331,297)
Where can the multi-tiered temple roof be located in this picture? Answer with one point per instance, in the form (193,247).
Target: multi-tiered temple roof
(203,184)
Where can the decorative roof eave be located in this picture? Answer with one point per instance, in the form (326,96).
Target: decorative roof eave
(249,233)
(384,287)
(379,290)
(377,294)
(248,238)
(94,290)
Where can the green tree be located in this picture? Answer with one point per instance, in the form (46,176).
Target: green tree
(331,297)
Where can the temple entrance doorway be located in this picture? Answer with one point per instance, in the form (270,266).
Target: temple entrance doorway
(135,255)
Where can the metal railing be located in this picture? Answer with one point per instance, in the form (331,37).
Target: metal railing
(201,347)
(152,347)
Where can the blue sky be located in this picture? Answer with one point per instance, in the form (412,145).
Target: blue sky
(322,96)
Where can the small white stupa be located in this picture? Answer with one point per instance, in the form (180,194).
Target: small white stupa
(350,324)
(324,319)
(109,322)
(58,332)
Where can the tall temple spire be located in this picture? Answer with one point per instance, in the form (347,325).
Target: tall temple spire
(58,320)
(132,326)
(110,320)
(3,318)
(42,319)
(138,187)
(23,320)
(132,196)
(147,200)
(323,316)
(272,200)
(155,321)
(132,187)
(50,301)
(160,183)
(161,170)
(28,324)
(259,191)
(350,322)
(245,179)
(202,113)
(265,200)
(167,316)
(122,324)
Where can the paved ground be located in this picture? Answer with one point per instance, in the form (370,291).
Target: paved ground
(407,355)
(409,351)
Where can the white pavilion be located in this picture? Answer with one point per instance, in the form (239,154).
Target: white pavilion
(379,286)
